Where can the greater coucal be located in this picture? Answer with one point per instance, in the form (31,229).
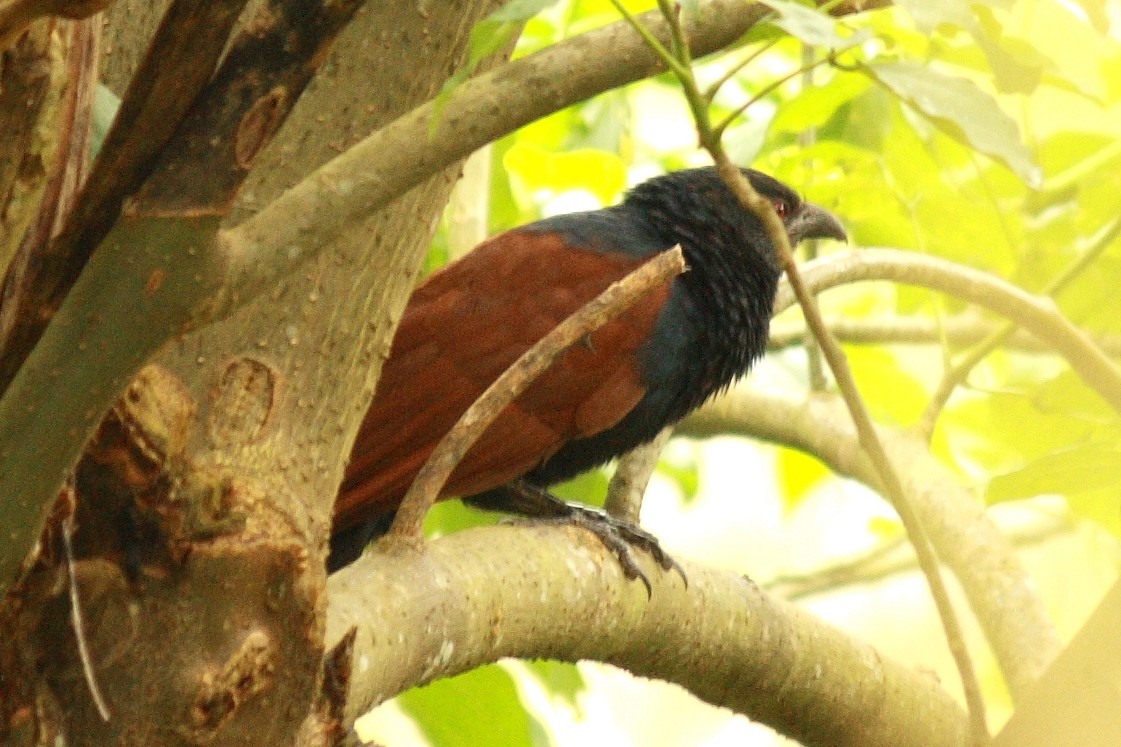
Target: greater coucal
(660,360)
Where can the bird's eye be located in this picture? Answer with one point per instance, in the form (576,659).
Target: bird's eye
(781,208)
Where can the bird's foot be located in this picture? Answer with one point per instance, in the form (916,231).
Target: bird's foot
(620,537)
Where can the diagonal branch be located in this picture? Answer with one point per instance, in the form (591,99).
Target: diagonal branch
(179,62)
(155,273)
(400,155)
(617,298)
(750,200)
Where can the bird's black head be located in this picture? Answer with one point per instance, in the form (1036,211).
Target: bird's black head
(733,267)
(682,202)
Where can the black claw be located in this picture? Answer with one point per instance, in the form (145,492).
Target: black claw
(539,506)
(619,537)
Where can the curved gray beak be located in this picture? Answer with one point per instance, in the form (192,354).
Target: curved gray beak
(813,222)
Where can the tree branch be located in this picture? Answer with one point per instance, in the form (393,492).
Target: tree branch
(959,330)
(1003,597)
(628,485)
(178,64)
(1037,314)
(398,156)
(421,615)
(154,275)
(1073,702)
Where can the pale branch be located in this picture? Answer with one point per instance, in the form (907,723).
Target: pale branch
(397,157)
(408,525)
(628,485)
(1003,597)
(957,331)
(958,372)
(1036,314)
(425,614)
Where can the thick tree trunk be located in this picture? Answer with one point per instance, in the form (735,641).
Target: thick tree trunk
(221,641)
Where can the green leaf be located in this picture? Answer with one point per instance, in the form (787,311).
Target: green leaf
(902,399)
(811,26)
(561,678)
(477,709)
(1082,469)
(105,106)
(589,488)
(533,170)
(1099,506)
(1000,432)
(928,16)
(815,106)
(447,517)
(798,473)
(487,37)
(962,110)
(520,10)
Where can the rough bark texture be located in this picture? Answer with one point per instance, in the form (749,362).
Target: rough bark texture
(32,74)
(425,614)
(225,645)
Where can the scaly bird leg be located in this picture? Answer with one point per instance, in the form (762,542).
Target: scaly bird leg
(540,506)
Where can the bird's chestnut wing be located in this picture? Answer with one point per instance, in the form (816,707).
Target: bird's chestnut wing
(462,328)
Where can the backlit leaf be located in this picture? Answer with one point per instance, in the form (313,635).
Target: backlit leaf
(809,25)
(962,110)
(477,709)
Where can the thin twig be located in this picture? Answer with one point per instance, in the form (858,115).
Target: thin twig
(647,36)
(716,85)
(76,613)
(605,307)
(878,563)
(815,365)
(869,440)
(719,130)
(955,331)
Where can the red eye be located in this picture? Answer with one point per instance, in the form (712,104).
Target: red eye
(781,208)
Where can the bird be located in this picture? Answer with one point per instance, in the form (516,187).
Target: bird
(615,390)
